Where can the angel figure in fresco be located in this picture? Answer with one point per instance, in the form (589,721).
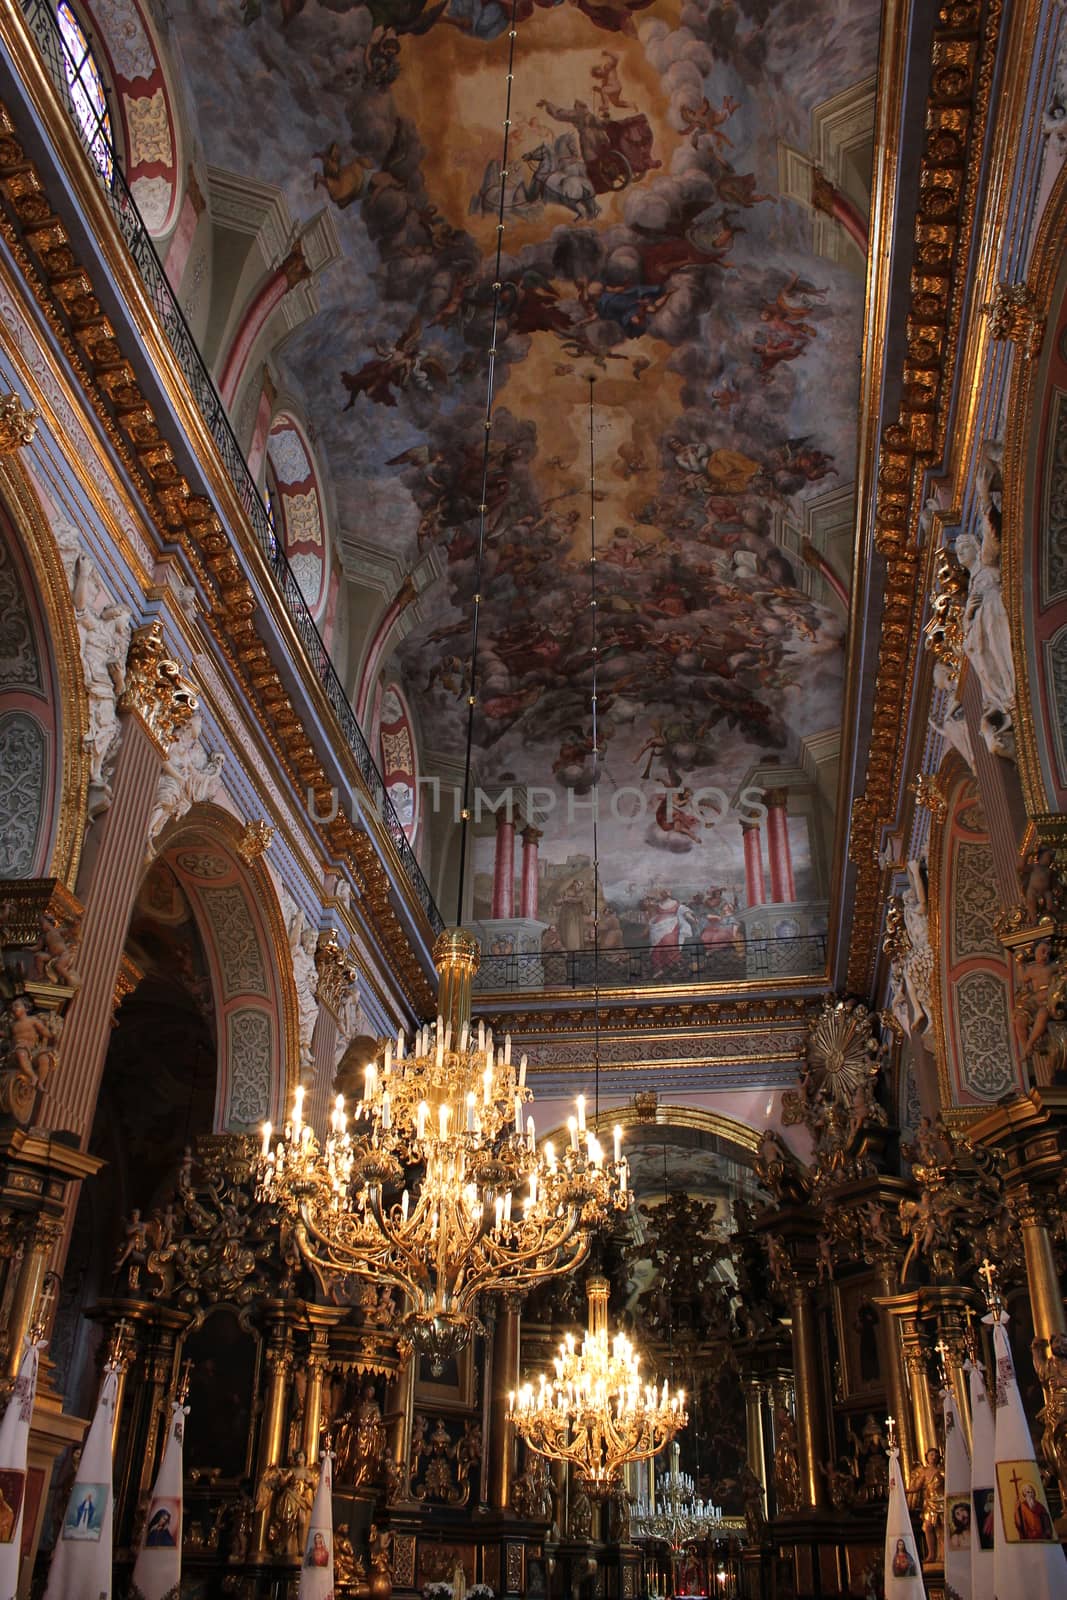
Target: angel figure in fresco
(397,366)
(703,121)
(607,86)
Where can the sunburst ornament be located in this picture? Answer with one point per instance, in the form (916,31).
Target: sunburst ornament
(842,1050)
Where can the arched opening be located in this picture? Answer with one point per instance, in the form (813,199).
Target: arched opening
(203,1043)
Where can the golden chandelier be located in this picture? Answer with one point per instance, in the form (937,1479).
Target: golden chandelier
(438,1187)
(595,1412)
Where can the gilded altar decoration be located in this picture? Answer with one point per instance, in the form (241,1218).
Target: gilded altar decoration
(837,1098)
(1034,931)
(1014,313)
(943,633)
(337,974)
(28,1042)
(442,1468)
(594,1412)
(786,1462)
(926,1498)
(255,839)
(360,1442)
(959,1196)
(286,1494)
(18,425)
(155,687)
(531,1491)
(1050,1366)
(930,795)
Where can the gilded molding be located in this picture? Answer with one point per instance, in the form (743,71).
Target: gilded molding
(31,527)
(1019,439)
(111,380)
(964,49)
(155,689)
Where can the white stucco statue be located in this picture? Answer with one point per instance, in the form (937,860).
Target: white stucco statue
(952,724)
(190,774)
(987,643)
(302,941)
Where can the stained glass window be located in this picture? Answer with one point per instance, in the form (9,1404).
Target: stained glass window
(86,86)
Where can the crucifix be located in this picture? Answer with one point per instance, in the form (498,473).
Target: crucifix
(988,1272)
(891,1431)
(942,1355)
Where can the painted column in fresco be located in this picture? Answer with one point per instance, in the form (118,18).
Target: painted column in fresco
(755,889)
(504,867)
(531,837)
(783,889)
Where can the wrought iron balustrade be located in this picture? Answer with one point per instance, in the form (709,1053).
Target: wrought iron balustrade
(64,71)
(653,966)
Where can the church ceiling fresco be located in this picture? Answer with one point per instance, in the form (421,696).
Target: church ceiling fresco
(647,245)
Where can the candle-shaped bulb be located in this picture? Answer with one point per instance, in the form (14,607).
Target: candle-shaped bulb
(421,1114)
(507,1049)
(522,1072)
(470,1113)
(531,1133)
(572,1126)
(267,1131)
(581,1113)
(388,1056)
(387,1121)
(405,1201)
(618,1144)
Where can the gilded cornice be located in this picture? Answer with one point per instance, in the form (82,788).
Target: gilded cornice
(964,47)
(65,290)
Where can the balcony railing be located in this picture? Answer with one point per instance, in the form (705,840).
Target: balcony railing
(653,966)
(65,71)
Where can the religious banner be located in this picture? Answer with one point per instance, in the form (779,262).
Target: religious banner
(1028,1559)
(903,1575)
(81,1560)
(14,1441)
(959,1513)
(316,1570)
(983,1528)
(157,1571)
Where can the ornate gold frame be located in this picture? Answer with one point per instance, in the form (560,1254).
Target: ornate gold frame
(31,526)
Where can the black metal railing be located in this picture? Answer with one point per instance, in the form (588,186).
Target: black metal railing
(65,71)
(653,966)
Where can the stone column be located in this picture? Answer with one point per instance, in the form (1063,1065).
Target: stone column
(1042,1279)
(755,889)
(38,1237)
(505,1381)
(504,866)
(782,886)
(336,977)
(811,1423)
(531,838)
(316,1369)
(156,705)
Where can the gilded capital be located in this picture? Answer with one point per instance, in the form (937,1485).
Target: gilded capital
(156,690)
(1014,314)
(336,972)
(255,839)
(17,425)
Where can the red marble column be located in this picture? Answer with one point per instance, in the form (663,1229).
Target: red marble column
(504,867)
(755,889)
(531,838)
(783,889)
(156,704)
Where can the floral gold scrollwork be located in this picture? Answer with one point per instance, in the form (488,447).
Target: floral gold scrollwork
(1014,314)
(155,688)
(337,974)
(837,1099)
(17,424)
(441,1468)
(255,839)
(930,795)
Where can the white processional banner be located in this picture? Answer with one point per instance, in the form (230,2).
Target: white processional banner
(14,1444)
(157,1572)
(1028,1559)
(983,1446)
(903,1574)
(81,1560)
(316,1571)
(959,1511)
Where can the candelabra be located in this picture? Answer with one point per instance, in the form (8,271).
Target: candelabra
(595,1412)
(422,1190)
